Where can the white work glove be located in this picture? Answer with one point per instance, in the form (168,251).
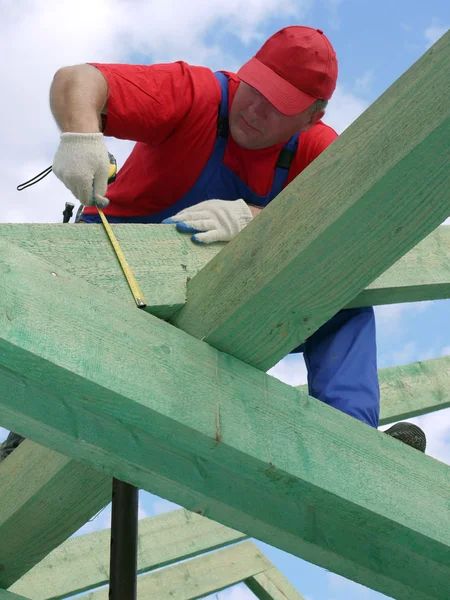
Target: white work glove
(213,220)
(81,161)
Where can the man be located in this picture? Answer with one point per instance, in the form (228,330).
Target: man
(212,150)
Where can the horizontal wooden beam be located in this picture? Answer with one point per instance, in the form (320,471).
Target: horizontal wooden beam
(421,274)
(44,498)
(272,585)
(291,458)
(200,576)
(415,389)
(82,563)
(360,206)
(163,260)
(412,390)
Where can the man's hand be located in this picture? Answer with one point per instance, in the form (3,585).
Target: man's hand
(81,161)
(213,220)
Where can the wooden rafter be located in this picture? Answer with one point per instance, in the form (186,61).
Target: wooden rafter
(212,573)
(82,563)
(412,390)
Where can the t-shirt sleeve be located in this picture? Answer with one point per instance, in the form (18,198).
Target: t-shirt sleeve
(311,144)
(146,103)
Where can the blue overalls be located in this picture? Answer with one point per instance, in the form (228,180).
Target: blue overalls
(341,355)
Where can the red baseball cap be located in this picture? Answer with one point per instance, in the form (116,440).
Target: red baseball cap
(296,66)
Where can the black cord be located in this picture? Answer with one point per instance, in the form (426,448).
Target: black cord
(34,179)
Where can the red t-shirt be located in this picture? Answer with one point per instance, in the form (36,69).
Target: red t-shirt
(171,111)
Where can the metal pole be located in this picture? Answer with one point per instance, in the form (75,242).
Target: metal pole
(124,538)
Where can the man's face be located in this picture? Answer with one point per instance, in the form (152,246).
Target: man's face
(255,123)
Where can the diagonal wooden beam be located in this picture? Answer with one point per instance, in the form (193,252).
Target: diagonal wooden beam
(82,563)
(291,459)
(163,261)
(366,201)
(44,498)
(412,390)
(200,576)
(272,585)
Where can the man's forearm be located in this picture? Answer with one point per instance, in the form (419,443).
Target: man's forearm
(78,96)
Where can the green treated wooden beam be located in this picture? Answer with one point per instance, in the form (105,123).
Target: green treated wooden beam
(44,498)
(160,258)
(5,595)
(82,563)
(200,576)
(299,468)
(272,585)
(412,390)
(163,260)
(421,274)
(415,389)
(406,391)
(365,202)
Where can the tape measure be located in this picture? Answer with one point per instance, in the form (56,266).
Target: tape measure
(133,284)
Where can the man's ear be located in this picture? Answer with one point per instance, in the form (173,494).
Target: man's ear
(314,117)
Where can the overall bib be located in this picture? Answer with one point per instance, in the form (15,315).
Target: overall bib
(341,355)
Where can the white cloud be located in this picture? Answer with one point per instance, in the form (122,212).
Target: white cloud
(339,584)
(334,19)
(412,352)
(406,354)
(290,370)
(434,31)
(158,507)
(363,83)
(389,316)
(237,592)
(343,109)
(101,520)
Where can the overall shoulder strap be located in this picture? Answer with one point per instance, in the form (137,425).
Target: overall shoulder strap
(284,162)
(222,121)
(287,153)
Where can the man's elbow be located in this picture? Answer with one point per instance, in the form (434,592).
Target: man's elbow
(84,77)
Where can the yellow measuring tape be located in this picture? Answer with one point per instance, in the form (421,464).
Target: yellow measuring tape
(134,286)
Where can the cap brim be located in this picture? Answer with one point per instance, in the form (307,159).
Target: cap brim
(283,95)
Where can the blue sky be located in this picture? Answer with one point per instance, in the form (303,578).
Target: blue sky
(375,44)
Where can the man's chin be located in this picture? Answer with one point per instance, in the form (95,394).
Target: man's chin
(247,140)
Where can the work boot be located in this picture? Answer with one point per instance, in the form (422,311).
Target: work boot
(10,444)
(409,434)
